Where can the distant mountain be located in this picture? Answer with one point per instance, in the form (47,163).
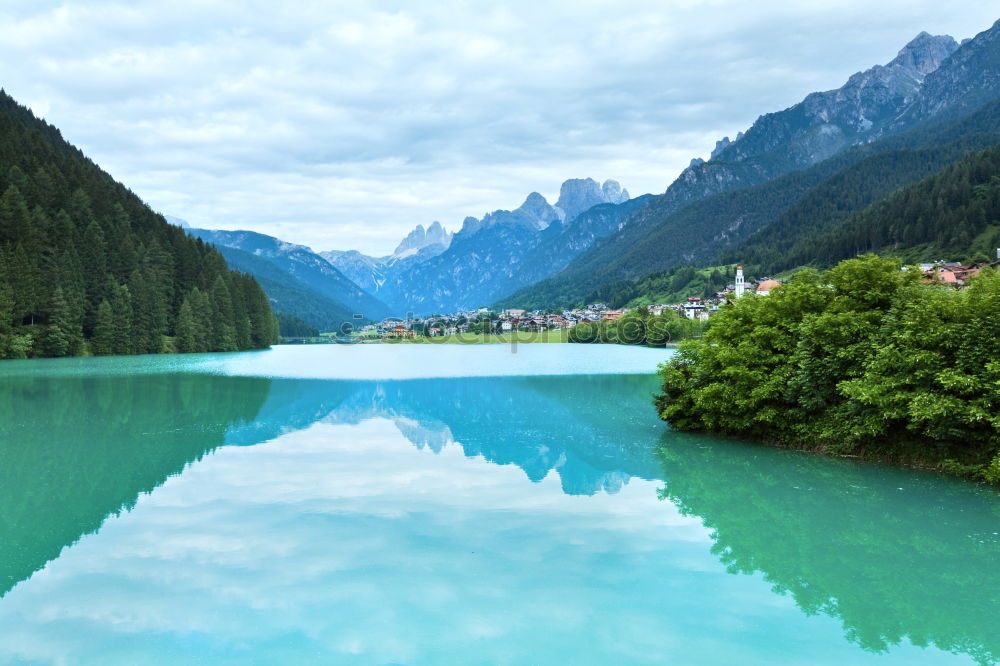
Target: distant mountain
(433,270)
(288,294)
(302,264)
(371,273)
(966,80)
(577,195)
(506,249)
(418,239)
(921,96)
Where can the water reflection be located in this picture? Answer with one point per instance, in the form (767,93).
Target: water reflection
(74,450)
(585,428)
(891,554)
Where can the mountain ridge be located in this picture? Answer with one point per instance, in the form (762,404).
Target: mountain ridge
(781,145)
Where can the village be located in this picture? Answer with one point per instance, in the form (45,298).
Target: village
(484,321)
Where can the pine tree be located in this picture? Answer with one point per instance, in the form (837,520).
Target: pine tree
(57,336)
(121,309)
(83,260)
(186,328)
(103,340)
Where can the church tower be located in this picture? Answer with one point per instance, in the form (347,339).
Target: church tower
(741,285)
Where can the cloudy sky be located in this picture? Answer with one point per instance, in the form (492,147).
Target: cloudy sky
(344,124)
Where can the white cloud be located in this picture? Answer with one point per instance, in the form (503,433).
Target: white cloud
(344,126)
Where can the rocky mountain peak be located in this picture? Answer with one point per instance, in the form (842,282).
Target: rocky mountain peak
(470,225)
(436,235)
(614,192)
(536,208)
(825,123)
(579,194)
(420,238)
(924,53)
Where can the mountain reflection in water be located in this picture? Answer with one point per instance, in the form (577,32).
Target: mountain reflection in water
(892,554)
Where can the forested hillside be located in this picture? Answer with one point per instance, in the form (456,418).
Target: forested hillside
(955,115)
(86,266)
(954,214)
(288,294)
(759,226)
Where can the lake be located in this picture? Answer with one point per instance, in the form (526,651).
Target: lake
(448,504)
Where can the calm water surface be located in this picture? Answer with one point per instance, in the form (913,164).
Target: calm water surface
(417,504)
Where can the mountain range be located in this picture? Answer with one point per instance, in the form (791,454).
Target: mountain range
(792,175)
(432,269)
(809,166)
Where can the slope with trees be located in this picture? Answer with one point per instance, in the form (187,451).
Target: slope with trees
(85,265)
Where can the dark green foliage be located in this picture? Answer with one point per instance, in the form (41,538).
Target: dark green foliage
(293,327)
(83,260)
(639,327)
(862,360)
(672,286)
(951,214)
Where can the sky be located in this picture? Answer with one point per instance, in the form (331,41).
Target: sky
(342,125)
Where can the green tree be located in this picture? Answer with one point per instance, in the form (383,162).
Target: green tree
(103,341)
(862,360)
(186,328)
(58,336)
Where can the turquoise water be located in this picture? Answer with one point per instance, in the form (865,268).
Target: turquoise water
(419,504)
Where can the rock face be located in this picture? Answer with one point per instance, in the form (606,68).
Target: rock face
(418,239)
(931,79)
(825,123)
(967,79)
(506,249)
(579,194)
(869,105)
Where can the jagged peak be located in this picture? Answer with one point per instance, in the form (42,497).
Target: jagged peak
(924,53)
(579,194)
(533,200)
(420,238)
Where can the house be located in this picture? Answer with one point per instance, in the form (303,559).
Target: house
(452,330)
(695,309)
(611,315)
(957,276)
(399,332)
(766,287)
(514,314)
(506,325)
(434,332)
(391,323)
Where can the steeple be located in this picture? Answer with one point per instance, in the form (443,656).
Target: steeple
(741,284)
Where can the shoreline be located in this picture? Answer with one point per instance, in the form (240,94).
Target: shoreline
(946,467)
